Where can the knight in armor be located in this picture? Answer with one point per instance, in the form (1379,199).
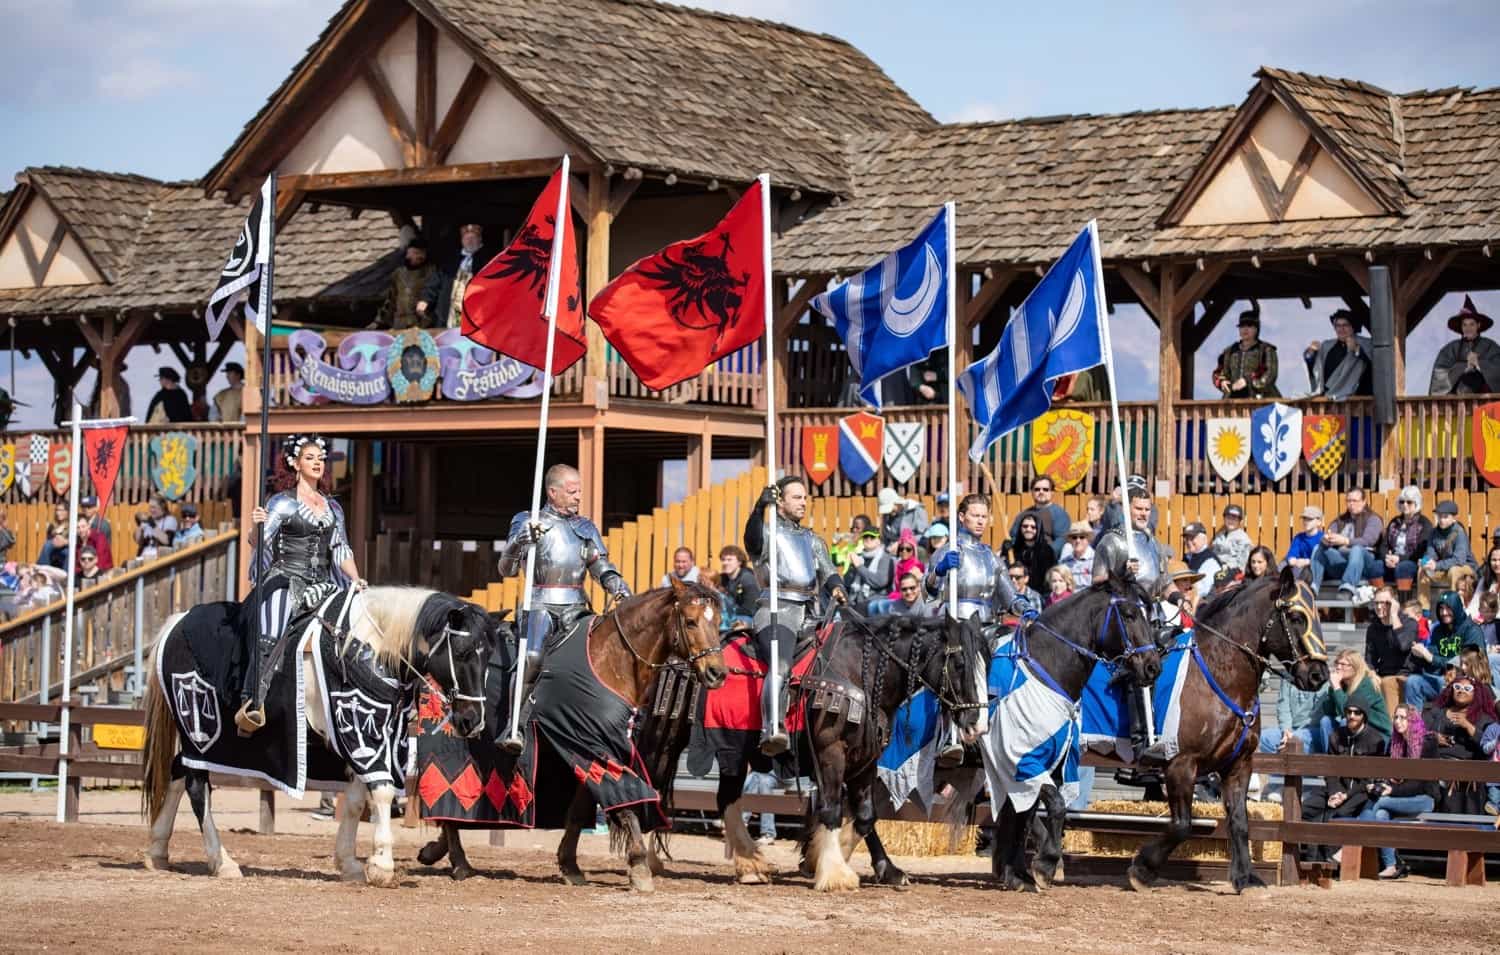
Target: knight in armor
(303,556)
(984,587)
(1142,558)
(804,571)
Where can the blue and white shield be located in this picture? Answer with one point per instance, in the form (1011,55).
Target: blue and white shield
(1276,439)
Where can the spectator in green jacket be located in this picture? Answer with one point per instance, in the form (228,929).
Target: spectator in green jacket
(1352,684)
(1298,716)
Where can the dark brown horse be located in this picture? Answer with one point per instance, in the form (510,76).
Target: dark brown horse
(1235,635)
(627,647)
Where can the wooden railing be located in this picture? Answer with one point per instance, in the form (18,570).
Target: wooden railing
(218,456)
(29,522)
(115,621)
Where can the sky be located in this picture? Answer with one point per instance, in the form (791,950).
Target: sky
(161,87)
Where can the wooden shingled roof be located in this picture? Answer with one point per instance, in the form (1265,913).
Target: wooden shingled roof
(164,244)
(1025,187)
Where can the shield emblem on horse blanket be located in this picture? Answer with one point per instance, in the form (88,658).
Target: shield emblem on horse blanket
(1486,441)
(1325,440)
(1276,439)
(1062,446)
(861,445)
(1228,446)
(820,452)
(173,469)
(905,448)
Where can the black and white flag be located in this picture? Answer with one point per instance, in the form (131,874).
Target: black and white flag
(248,263)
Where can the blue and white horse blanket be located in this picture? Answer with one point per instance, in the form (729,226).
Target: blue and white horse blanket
(906,765)
(1034,730)
(1106,714)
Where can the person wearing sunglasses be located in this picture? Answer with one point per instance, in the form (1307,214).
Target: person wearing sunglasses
(910,601)
(1342,797)
(907,561)
(88,566)
(1350,683)
(1020,582)
(1388,643)
(1398,798)
(1403,543)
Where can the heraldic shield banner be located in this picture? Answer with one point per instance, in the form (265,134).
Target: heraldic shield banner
(861,445)
(1275,439)
(1325,441)
(905,448)
(1486,441)
(173,467)
(1062,446)
(1228,446)
(820,452)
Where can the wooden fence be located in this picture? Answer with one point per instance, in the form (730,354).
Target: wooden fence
(217,457)
(115,621)
(29,522)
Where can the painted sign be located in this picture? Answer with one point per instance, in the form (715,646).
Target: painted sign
(820,452)
(173,467)
(1276,439)
(1228,446)
(1062,446)
(369,367)
(1325,440)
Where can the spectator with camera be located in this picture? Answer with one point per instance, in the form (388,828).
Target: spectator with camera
(1397,798)
(155,527)
(1388,643)
(1342,796)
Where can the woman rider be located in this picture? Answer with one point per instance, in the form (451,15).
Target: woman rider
(305,557)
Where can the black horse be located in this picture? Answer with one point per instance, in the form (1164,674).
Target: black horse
(1112,614)
(1235,635)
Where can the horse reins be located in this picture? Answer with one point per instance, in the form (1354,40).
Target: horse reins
(684,654)
(422,678)
(913,667)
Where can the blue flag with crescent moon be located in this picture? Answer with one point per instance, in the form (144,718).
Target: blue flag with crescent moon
(1057,331)
(895,313)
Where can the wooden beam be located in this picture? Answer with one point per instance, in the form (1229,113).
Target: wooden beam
(458,114)
(578,196)
(620,193)
(1260,178)
(182,355)
(1196,286)
(95,339)
(1418,280)
(1213,314)
(990,291)
(1145,290)
(288,201)
(1358,270)
(1305,157)
(1169,375)
(33,264)
(788,314)
(54,243)
(396,120)
(596,256)
(426,89)
(432,175)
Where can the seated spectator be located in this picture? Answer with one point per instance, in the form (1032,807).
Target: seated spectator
(1232,544)
(683,568)
(89,508)
(1453,632)
(1304,544)
(1199,556)
(871,572)
(1060,585)
(45,585)
(192,530)
(907,561)
(1078,555)
(1093,512)
(1350,683)
(1262,561)
(934,540)
(1460,717)
(1470,365)
(1402,799)
(899,514)
(154,528)
(1227,577)
(1348,547)
(1448,555)
(940,508)
(59,522)
(1298,716)
(1051,519)
(56,550)
(1388,643)
(89,537)
(1489,578)
(1031,547)
(737,582)
(1342,796)
(1403,544)
(1342,366)
(1247,368)
(1180,595)
(910,601)
(89,570)
(1411,610)
(1020,580)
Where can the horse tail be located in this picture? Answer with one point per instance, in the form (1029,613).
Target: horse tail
(161,733)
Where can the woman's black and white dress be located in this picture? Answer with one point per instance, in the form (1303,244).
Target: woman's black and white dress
(299,562)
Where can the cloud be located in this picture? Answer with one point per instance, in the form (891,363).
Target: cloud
(142,78)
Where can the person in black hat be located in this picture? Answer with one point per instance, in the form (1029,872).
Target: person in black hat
(1471,364)
(1341,366)
(228,404)
(1247,369)
(170,404)
(399,310)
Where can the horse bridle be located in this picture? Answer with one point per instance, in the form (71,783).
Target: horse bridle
(913,668)
(679,619)
(1307,645)
(1031,621)
(445,640)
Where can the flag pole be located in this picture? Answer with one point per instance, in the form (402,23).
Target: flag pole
(951,210)
(512,741)
(67,657)
(768,365)
(264,305)
(1102,316)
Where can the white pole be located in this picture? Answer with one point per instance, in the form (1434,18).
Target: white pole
(67,657)
(951,212)
(768,365)
(549,312)
(1102,317)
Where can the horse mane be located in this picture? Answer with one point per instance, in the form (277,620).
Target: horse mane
(1219,602)
(391,619)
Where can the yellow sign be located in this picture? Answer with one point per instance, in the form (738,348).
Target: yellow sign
(119,736)
(1062,446)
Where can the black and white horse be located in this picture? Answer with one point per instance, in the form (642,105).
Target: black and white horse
(409,631)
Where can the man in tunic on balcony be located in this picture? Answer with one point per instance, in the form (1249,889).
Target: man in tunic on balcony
(1341,366)
(1471,364)
(227,405)
(442,302)
(404,295)
(170,404)
(1247,369)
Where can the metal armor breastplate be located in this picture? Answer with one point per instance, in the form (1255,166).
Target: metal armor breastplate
(976,579)
(561,562)
(1117,554)
(796,565)
(302,549)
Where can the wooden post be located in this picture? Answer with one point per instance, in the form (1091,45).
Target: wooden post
(426,517)
(591,469)
(361,500)
(600,219)
(75,781)
(267,826)
(1168,378)
(700,464)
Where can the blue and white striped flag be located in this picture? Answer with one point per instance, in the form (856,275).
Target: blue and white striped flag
(895,313)
(1057,331)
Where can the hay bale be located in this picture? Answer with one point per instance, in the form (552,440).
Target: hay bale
(1119,845)
(925,838)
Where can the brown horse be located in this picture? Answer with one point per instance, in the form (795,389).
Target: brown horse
(626,648)
(1235,634)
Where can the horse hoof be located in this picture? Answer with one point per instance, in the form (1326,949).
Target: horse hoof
(1043,881)
(228,869)
(381,878)
(1249,882)
(155,863)
(1057,877)
(1140,879)
(642,882)
(432,853)
(460,872)
(353,872)
(574,877)
(751,877)
(840,879)
(888,874)
(752,870)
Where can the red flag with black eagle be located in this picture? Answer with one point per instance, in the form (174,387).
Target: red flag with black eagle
(104,449)
(503,303)
(674,313)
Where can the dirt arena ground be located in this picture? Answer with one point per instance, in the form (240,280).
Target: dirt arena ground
(83,886)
